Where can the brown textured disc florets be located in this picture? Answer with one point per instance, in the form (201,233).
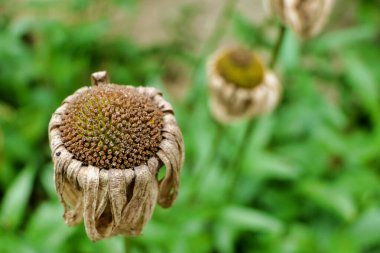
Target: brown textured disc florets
(110,126)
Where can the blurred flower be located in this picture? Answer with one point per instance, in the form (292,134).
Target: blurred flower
(240,86)
(108,143)
(306,17)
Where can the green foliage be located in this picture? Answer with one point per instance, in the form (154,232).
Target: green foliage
(308,182)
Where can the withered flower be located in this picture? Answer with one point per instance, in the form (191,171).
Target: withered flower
(306,17)
(108,143)
(240,86)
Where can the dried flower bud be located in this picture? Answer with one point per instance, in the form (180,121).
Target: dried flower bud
(240,86)
(306,17)
(108,143)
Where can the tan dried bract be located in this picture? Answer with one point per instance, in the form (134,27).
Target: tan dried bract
(306,17)
(112,198)
(230,102)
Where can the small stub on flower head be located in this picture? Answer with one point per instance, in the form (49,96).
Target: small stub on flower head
(240,67)
(111,126)
(100,78)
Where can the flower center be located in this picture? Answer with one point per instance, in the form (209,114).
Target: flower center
(240,67)
(110,126)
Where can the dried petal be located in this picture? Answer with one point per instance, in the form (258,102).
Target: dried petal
(139,208)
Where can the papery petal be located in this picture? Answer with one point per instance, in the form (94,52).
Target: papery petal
(168,187)
(118,186)
(73,204)
(139,209)
(89,182)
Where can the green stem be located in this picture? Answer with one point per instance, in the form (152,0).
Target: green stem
(128,244)
(213,151)
(240,154)
(215,144)
(277,47)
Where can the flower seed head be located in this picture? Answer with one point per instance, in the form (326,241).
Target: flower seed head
(240,86)
(306,17)
(109,126)
(240,67)
(108,144)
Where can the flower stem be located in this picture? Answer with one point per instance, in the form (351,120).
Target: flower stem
(213,151)
(201,167)
(215,144)
(277,47)
(240,154)
(127,245)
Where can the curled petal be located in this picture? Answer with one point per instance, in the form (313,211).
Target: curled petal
(55,141)
(72,204)
(148,91)
(102,202)
(71,195)
(168,187)
(71,97)
(89,182)
(55,121)
(118,184)
(172,132)
(72,172)
(62,160)
(153,165)
(61,110)
(139,208)
(163,104)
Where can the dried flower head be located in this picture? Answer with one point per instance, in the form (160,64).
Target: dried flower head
(108,143)
(306,17)
(240,86)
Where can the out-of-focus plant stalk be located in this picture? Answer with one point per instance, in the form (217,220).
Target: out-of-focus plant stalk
(216,35)
(277,47)
(213,151)
(128,244)
(240,153)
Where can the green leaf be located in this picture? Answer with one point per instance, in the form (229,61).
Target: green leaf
(331,199)
(15,201)
(47,181)
(344,38)
(362,81)
(270,166)
(46,229)
(250,219)
(11,242)
(224,238)
(366,230)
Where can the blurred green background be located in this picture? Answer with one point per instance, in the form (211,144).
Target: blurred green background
(310,177)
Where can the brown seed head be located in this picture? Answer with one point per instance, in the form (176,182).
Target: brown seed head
(110,126)
(240,67)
